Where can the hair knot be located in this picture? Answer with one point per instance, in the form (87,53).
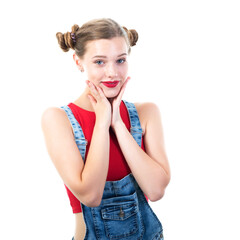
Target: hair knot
(132,36)
(73,37)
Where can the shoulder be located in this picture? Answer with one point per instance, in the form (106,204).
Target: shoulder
(146,112)
(52,113)
(53,118)
(146,107)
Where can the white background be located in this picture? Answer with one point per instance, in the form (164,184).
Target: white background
(186,60)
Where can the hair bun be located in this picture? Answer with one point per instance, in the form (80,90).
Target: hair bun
(132,36)
(75,28)
(66,40)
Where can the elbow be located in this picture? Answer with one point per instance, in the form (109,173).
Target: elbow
(92,200)
(159,192)
(94,203)
(156,196)
(88,195)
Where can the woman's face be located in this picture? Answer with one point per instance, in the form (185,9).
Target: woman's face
(105,63)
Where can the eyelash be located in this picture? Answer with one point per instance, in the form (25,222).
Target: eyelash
(97,62)
(123,60)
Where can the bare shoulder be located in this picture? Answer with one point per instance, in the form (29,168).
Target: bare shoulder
(146,107)
(52,112)
(53,118)
(147,111)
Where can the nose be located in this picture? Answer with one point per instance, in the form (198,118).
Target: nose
(111,71)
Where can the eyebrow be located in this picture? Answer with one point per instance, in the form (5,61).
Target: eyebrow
(102,56)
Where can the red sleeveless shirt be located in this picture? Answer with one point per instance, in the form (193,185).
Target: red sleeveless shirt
(118,167)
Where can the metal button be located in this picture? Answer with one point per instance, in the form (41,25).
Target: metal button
(121,214)
(161,235)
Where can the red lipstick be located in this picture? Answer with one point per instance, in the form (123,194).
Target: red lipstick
(110,84)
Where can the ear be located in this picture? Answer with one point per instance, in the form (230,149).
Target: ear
(78,61)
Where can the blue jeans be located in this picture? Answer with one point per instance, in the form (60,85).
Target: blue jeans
(124,212)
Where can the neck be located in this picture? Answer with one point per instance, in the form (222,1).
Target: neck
(84,102)
(110,100)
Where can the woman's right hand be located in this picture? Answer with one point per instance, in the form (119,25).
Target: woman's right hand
(100,104)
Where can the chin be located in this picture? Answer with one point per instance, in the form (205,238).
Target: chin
(111,94)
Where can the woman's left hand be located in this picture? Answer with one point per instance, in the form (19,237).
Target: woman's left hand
(116,104)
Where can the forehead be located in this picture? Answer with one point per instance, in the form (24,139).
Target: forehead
(106,47)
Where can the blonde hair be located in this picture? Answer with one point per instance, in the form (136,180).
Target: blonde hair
(104,28)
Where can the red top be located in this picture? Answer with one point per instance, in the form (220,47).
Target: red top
(118,167)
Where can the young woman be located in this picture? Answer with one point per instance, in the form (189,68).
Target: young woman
(109,152)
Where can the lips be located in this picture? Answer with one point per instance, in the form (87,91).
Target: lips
(110,84)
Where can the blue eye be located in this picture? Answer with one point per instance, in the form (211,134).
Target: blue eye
(99,62)
(122,60)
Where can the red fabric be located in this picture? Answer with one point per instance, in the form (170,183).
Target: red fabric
(118,167)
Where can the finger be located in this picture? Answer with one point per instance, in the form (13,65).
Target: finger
(119,97)
(100,91)
(93,90)
(92,100)
(128,78)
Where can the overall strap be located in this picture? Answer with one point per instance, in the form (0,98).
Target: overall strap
(136,129)
(78,132)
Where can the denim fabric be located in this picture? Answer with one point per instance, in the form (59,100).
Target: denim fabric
(124,212)
(136,129)
(78,133)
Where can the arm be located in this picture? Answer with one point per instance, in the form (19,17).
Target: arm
(85,181)
(150,168)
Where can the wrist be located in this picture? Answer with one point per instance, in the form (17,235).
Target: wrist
(101,125)
(118,126)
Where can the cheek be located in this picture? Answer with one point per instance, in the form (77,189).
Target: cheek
(94,74)
(124,71)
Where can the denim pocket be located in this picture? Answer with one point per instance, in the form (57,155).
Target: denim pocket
(122,218)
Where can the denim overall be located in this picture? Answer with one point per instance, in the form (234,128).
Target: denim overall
(124,212)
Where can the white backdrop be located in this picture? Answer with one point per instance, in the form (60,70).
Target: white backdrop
(187,61)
